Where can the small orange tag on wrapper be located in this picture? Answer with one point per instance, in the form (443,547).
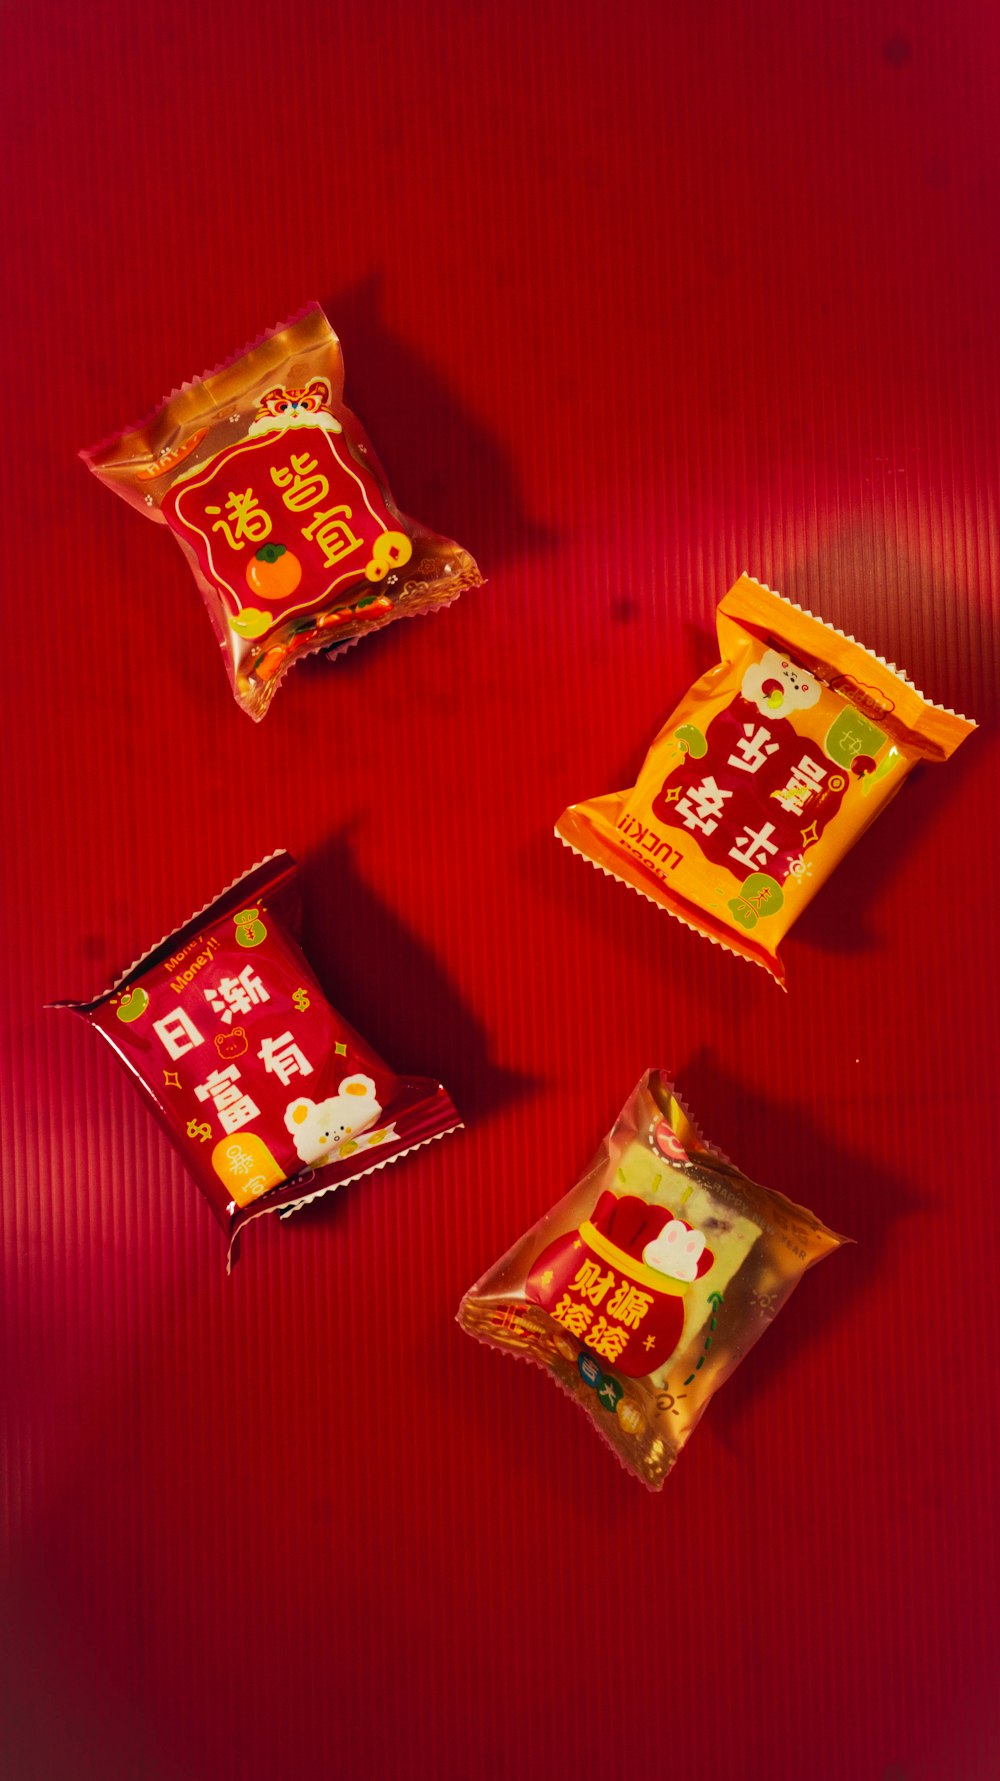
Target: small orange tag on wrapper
(646,1285)
(277,498)
(767,772)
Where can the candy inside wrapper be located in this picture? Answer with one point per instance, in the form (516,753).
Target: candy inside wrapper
(275,494)
(643,1288)
(270,1096)
(767,772)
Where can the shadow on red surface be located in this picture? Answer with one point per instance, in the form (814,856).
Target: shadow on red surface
(457,477)
(394,990)
(852,1192)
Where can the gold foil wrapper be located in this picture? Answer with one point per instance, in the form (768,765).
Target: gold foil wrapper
(649,1282)
(263,452)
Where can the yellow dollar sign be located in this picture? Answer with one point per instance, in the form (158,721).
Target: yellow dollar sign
(196,1129)
(300,999)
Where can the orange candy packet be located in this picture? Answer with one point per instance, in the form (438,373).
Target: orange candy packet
(275,494)
(649,1282)
(767,772)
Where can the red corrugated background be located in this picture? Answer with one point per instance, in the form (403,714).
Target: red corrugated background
(629,302)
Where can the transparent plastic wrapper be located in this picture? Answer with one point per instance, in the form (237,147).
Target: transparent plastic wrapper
(276,496)
(271,1098)
(649,1282)
(770,768)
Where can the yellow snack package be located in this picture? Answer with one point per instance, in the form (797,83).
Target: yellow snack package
(767,772)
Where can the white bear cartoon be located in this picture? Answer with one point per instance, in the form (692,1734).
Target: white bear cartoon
(777,685)
(676,1251)
(323,1130)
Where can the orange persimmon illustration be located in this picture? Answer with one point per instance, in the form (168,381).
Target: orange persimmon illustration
(275,572)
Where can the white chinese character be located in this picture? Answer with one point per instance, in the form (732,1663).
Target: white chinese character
(754,842)
(284,1059)
(804,780)
(708,799)
(234,1110)
(237,995)
(756,744)
(242,1111)
(177,1032)
(219,1083)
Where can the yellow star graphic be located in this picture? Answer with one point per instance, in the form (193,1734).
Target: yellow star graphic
(340,1049)
(810,835)
(672,796)
(171,1079)
(578,1244)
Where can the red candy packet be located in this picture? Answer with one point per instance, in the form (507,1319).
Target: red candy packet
(276,496)
(270,1096)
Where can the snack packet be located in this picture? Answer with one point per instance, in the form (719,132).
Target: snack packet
(767,772)
(270,1096)
(278,500)
(648,1283)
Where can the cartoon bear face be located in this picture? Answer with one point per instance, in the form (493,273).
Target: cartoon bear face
(777,685)
(319,1128)
(231,1044)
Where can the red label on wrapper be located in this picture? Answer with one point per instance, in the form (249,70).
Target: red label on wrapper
(269,1094)
(284,520)
(758,797)
(597,1285)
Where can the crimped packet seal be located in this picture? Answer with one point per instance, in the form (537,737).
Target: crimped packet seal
(269,1095)
(769,769)
(282,508)
(875,687)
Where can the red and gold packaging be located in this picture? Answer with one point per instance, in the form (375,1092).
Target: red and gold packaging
(767,772)
(270,1096)
(275,494)
(643,1288)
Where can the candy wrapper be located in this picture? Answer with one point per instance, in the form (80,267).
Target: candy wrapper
(643,1288)
(270,1096)
(764,776)
(275,494)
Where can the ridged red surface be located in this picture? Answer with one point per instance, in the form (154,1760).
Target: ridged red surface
(629,302)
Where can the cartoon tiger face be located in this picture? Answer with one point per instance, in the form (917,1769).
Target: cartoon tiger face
(281,408)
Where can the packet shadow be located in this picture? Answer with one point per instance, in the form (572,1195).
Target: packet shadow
(457,478)
(883,861)
(853,1194)
(393,989)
